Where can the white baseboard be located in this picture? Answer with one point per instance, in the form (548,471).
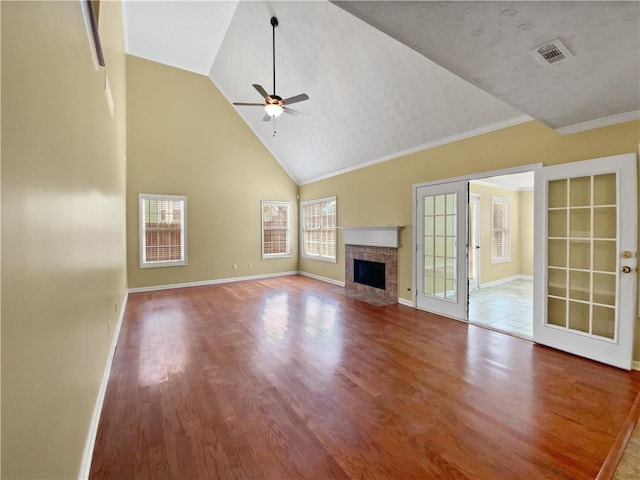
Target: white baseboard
(635,365)
(322,279)
(505,280)
(210,282)
(87,454)
(405,302)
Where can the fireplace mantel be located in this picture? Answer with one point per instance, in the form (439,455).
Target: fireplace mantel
(374,236)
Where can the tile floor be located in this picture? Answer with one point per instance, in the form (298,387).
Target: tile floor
(507,307)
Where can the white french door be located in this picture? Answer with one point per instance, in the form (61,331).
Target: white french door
(441,280)
(585,269)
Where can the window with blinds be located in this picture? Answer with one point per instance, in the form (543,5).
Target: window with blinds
(318,225)
(276,229)
(500,233)
(163,227)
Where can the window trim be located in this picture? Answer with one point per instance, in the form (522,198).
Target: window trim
(269,256)
(320,258)
(505,258)
(142,230)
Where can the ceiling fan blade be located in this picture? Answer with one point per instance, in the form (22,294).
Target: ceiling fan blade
(266,117)
(249,104)
(261,90)
(291,111)
(297,98)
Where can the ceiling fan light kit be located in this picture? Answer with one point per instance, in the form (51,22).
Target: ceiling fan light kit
(273,104)
(273,109)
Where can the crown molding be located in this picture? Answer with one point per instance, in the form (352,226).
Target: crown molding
(600,122)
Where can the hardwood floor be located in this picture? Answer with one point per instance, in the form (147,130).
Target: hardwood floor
(289,378)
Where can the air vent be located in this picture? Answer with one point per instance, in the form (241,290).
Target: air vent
(551,52)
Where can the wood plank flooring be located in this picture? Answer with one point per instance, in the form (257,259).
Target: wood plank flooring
(288,378)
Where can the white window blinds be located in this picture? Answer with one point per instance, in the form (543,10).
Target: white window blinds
(500,233)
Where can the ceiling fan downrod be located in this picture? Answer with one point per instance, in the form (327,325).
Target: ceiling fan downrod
(274,24)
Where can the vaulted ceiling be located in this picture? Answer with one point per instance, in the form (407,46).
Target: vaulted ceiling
(387,78)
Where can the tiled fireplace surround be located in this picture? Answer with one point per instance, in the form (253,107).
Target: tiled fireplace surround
(370,244)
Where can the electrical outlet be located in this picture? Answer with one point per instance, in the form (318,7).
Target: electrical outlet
(320,265)
(235,267)
(250,265)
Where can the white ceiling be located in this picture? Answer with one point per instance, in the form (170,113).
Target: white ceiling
(372,97)
(185,35)
(516,181)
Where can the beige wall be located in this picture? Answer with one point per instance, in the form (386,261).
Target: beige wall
(491,272)
(63,245)
(526,232)
(381,194)
(185,138)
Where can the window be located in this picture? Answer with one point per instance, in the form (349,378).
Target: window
(163,230)
(500,234)
(275,229)
(318,225)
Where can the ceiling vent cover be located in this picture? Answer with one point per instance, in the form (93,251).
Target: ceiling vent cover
(551,52)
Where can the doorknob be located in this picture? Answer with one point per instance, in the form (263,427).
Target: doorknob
(625,269)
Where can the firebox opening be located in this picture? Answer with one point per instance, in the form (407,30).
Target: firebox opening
(369,273)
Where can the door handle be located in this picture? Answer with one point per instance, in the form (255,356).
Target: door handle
(626,269)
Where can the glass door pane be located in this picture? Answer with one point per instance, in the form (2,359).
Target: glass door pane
(440,256)
(582,260)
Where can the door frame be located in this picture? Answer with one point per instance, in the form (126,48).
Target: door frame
(414,214)
(475,198)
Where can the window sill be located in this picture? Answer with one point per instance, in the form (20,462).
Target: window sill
(163,264)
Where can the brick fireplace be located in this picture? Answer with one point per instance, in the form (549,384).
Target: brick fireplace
(372,244)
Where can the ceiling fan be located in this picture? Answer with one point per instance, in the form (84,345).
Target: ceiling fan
(273,104)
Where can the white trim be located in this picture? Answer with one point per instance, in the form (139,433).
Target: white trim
(472,177)
(511,122)
(405,302)
(506,280)
(87,454)
(382,236)
(599,122)
(635,365)
(322,279)
(209,282)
